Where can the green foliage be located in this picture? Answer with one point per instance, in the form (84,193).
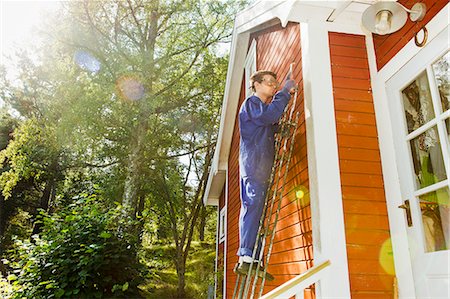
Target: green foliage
(7,126)
(84,251)
(19,227)
(161,278)
(81,132)
(32,154)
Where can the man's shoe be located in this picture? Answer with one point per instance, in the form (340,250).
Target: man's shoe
(242,268)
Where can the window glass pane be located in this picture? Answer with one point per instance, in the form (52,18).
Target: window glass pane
(447,125)
(435,208)
(441,70)
(427,159)
(417,103)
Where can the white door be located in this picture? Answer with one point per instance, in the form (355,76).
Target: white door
(419,105)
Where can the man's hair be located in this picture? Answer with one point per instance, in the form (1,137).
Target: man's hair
(259,76)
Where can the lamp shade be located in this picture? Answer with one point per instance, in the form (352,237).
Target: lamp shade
(397,17)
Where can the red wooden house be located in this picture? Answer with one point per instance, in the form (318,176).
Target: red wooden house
(368,186)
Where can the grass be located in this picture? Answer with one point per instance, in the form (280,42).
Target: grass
(161,279)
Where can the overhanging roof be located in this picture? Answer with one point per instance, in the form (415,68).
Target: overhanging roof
(343,14)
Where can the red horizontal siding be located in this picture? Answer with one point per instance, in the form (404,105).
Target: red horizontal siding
(365,214)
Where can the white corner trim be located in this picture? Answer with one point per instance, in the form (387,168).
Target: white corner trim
(323,162)
(225,245)
(216,261)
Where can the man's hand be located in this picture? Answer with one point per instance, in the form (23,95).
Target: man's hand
(289,85)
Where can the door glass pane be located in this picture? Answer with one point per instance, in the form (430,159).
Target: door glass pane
(441,70)
(427,159)
(417,103)
(435,208)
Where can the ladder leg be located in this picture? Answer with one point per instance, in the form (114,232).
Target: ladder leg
(241,289)
(236,286)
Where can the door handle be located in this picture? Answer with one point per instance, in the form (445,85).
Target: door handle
(407,209)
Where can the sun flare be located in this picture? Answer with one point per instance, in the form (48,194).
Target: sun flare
(18,19)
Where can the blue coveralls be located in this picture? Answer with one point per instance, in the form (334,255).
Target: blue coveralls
(257,125)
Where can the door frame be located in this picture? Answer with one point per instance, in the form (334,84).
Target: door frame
(397,223)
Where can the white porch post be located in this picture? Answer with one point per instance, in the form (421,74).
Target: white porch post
(323,162)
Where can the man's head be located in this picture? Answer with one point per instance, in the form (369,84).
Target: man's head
(264,83)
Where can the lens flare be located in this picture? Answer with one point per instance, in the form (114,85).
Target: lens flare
(87,62)
(386,257)
(130,88)
(302,195)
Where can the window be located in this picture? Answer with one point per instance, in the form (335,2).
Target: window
(427,115)
(250,67)
(222,219)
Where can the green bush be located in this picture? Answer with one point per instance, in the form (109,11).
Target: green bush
(84,251)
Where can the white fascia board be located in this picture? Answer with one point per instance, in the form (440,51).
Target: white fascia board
(285,11)
(210,198)
(231,97)
(235,71)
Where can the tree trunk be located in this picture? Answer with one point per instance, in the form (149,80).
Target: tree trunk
(140,226)
(133,179)
(2,216)
(2,267)
(44,203)
(181,272)
(202,223)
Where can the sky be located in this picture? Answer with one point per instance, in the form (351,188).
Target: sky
(18,18)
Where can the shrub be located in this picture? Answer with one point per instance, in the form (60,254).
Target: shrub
(84,251)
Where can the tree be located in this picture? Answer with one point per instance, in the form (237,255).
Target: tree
(130,91)
(32,156)
(163,43)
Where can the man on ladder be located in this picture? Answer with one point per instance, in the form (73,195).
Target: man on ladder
(258,118)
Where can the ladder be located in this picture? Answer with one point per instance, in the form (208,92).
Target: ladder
(246,285)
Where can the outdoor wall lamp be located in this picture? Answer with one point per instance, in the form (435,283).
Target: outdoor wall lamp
(385,17)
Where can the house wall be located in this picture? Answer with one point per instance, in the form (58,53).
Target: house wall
(233,205)
(386,46)
(365,212)
(292,252)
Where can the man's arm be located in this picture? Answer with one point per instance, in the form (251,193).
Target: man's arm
(262,114)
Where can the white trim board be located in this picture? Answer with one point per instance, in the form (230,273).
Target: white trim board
(225,245)
(323,162)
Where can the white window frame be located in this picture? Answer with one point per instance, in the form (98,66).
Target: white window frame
(250,67)
(222,225)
